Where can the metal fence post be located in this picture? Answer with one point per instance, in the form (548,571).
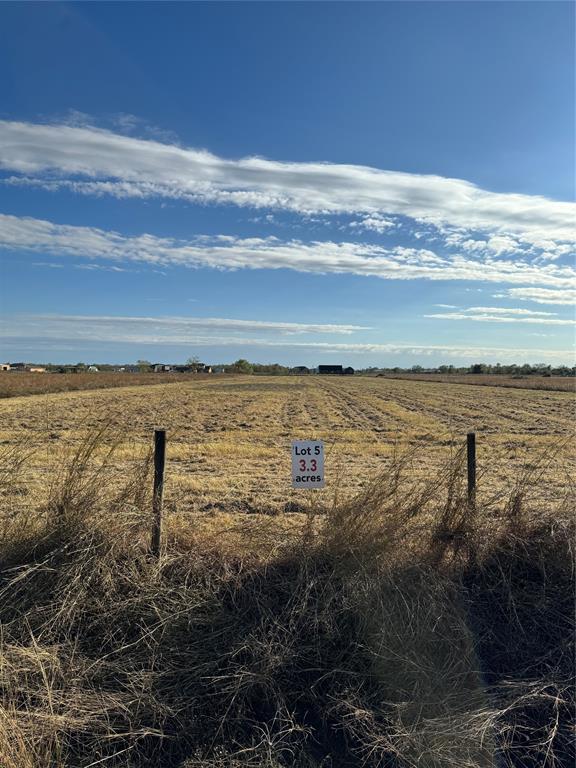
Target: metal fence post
(159,463)
(471,462)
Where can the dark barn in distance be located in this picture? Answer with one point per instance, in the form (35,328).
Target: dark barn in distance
(335,370)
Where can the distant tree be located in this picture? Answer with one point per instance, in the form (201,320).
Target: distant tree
(194,363)
(273,369)
(242,366)
(143,365)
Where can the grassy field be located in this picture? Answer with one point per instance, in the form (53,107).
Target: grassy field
(229,438)
(15,384)
(22,383)
(554,383)
(384,622)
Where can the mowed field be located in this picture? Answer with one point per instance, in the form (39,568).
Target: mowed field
(229,437)
(556,383)
(401,626)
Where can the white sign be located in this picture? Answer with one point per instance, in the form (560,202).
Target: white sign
(307,464)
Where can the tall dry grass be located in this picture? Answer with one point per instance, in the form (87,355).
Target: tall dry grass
(401,627)
(18,384)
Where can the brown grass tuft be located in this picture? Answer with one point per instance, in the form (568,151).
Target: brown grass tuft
(398,628)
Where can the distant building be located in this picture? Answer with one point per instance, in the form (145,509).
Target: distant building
(330,369)
(218,369)
(300,370)
(196,368)
(22,367)
(349,371)
(92,369)
(161,368)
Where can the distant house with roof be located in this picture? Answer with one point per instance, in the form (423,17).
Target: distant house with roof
(335,370)
(300,370)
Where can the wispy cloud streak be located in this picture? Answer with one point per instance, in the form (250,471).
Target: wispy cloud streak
(178,325)
(229,252)
(97,161)
(541,295)
(503,315)
(70,331)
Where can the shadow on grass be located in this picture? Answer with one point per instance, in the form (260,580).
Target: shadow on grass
(399,633)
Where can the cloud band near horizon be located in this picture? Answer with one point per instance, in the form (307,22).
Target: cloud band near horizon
(61,330)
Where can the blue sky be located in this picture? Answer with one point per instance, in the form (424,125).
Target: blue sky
(368,183)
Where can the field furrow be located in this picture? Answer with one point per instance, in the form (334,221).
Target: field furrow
(229,437)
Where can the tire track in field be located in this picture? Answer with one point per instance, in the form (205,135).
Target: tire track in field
(491,411)
(405,414)
(515,432)
(447,414)
(443,419)
(390,414)
(296,412)
(326,417)
(361,417)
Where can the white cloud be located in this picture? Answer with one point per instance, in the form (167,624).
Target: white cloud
(541,295)
(509,311)
(71,331)
(97,161)
(503,315)
(229,252)
(374,223)
(500,244)
(101,267)
(470,246)
(496,245)
(102,326)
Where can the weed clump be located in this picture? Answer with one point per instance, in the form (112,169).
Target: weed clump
(399,628)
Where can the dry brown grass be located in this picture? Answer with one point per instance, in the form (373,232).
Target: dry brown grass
(380,623)
(392,628)
(229,438)
(19,383)
(551,383)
